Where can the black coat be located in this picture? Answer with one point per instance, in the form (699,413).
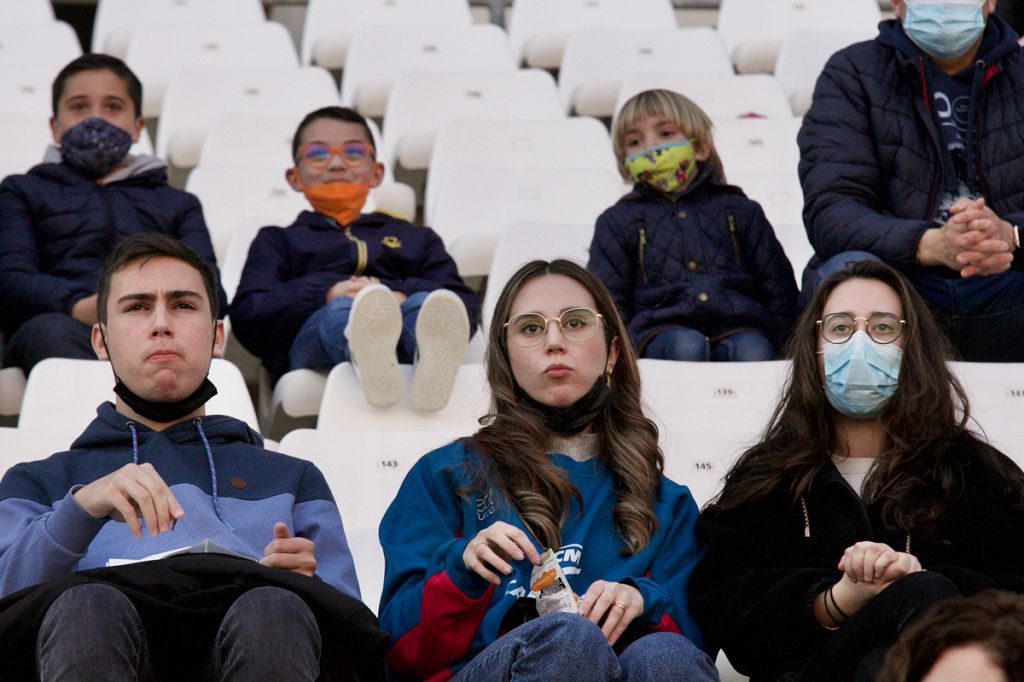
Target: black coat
(752,592)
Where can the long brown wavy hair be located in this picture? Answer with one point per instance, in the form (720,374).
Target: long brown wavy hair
(513,440)
(916,476)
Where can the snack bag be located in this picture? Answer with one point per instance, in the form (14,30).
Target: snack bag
(550,587)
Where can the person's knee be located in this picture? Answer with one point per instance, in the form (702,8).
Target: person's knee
(50,335)
(666,655)
(93,601)
(578,638)
(272,607)
(925,585)
(748,347)
(679,344)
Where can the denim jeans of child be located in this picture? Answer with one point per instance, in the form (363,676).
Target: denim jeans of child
(682,343)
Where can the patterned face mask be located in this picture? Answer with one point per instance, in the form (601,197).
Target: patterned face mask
(665,167)
(94,147)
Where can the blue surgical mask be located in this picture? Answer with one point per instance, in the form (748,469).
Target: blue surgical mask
(94,147)
(861,375)
(944,29)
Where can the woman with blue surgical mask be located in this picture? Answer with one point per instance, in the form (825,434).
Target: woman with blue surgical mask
(868,499)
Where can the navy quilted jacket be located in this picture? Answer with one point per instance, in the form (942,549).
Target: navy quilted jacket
(707,259)
(57,227)
(872,162)
(289,270)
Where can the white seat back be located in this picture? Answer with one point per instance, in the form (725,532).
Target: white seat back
(25,11)
(721,97)
(26,89)
(28,445)
(757,146)
(802,56)
(995,391)
(38,45)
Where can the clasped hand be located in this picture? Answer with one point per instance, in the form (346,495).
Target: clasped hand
(974,240)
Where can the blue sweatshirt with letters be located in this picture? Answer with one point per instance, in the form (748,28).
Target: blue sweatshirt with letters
(233,491)
(440,614)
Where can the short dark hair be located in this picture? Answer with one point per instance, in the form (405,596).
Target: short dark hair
(152,245)
(343,114)
(99,62)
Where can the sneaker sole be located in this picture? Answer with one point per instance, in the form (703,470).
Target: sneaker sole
(442,334)
(373,332)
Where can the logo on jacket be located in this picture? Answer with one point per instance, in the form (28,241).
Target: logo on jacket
(485,505)
(391,242)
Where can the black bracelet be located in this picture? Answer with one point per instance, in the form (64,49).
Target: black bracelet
(828,612)
(836,604)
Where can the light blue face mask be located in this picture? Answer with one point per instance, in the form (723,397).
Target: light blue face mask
(945,30)
(861,375)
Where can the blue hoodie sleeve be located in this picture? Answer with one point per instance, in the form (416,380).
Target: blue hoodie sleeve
(39,540)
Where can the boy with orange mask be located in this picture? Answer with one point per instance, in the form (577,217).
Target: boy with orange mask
(339,285)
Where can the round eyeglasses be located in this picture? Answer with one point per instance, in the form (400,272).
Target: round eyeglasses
(352,154)
(881,327)
(527,330)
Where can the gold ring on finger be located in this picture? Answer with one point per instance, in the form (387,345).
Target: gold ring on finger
(620,605)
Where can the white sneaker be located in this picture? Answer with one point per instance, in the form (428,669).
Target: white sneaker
(374,327)
(442,334)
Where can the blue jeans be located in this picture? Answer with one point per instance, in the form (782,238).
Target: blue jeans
(682,343)
(321,342)
(50,335)
(982,315)
(569,648)
(93,632)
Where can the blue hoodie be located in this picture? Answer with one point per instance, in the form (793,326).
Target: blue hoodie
(45,534)
(440,614)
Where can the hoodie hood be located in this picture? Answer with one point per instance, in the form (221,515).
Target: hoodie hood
(998,40)
(110,430)
(138,165)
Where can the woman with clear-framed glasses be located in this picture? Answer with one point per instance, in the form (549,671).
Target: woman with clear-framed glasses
(868,499)
(566,461)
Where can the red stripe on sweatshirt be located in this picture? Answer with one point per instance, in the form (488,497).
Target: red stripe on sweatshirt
(448,621)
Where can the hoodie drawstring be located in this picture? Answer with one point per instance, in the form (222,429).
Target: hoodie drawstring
(213,471)
(807,517)
(135,443)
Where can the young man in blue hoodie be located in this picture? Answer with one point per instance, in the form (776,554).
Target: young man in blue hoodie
(153,473)
(911,153)
(59,221)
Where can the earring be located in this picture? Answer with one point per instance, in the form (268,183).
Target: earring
(608,377)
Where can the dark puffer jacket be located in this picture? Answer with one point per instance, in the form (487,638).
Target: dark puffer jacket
(58,227)
(872,160)
(707,260)
(289,270)
(752,592)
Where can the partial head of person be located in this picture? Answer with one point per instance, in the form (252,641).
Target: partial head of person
(335,162)
(948,31)
(559,364)
(158,328)
(97,105)
(663,139)
(966,639)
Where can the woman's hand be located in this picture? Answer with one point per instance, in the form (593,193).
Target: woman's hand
(617,603)
(876,564)
(492,548)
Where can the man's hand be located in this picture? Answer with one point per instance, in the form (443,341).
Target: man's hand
(986,247)
(289,553)
(84,310)
(348,287)
(132,491)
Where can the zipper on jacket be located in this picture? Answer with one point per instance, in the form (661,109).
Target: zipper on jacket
(361,252)
(643,246)
(807,517)
(735,240)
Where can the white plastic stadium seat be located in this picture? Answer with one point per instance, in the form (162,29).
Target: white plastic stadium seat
(198,96)
(379,54)
(344,408)
(294,402)
(797,246)
(578,141)
(28,445)
(62,395)
(48,46)
(779,194)
(751,145)
(156,53)
(539,28)
(331,24)
(477,202)
(117,19)
(597,61)
(995,391)
(802,57)
(708,413)
(364,471)
(753,29)
(25,11)
(26,89)
(520,243)
(751,96)
(421,102)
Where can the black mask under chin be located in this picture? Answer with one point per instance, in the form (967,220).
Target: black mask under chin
(163,412)
(568,421)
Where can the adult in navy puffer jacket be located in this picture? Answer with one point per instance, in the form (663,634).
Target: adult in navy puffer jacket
(56,229)
(706,259)
(877,171)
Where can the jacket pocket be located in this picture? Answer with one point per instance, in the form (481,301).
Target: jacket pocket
(643,247)
(735,240)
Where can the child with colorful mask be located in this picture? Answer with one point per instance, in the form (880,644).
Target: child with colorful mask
(692,263)
(59,221)
(340,285)
(867,501)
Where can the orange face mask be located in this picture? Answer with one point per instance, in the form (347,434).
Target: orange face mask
(342,201)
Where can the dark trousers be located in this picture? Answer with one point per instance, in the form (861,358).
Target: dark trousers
(50,335)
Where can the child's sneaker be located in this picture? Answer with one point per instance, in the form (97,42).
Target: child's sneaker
(374,326)
(442,334)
